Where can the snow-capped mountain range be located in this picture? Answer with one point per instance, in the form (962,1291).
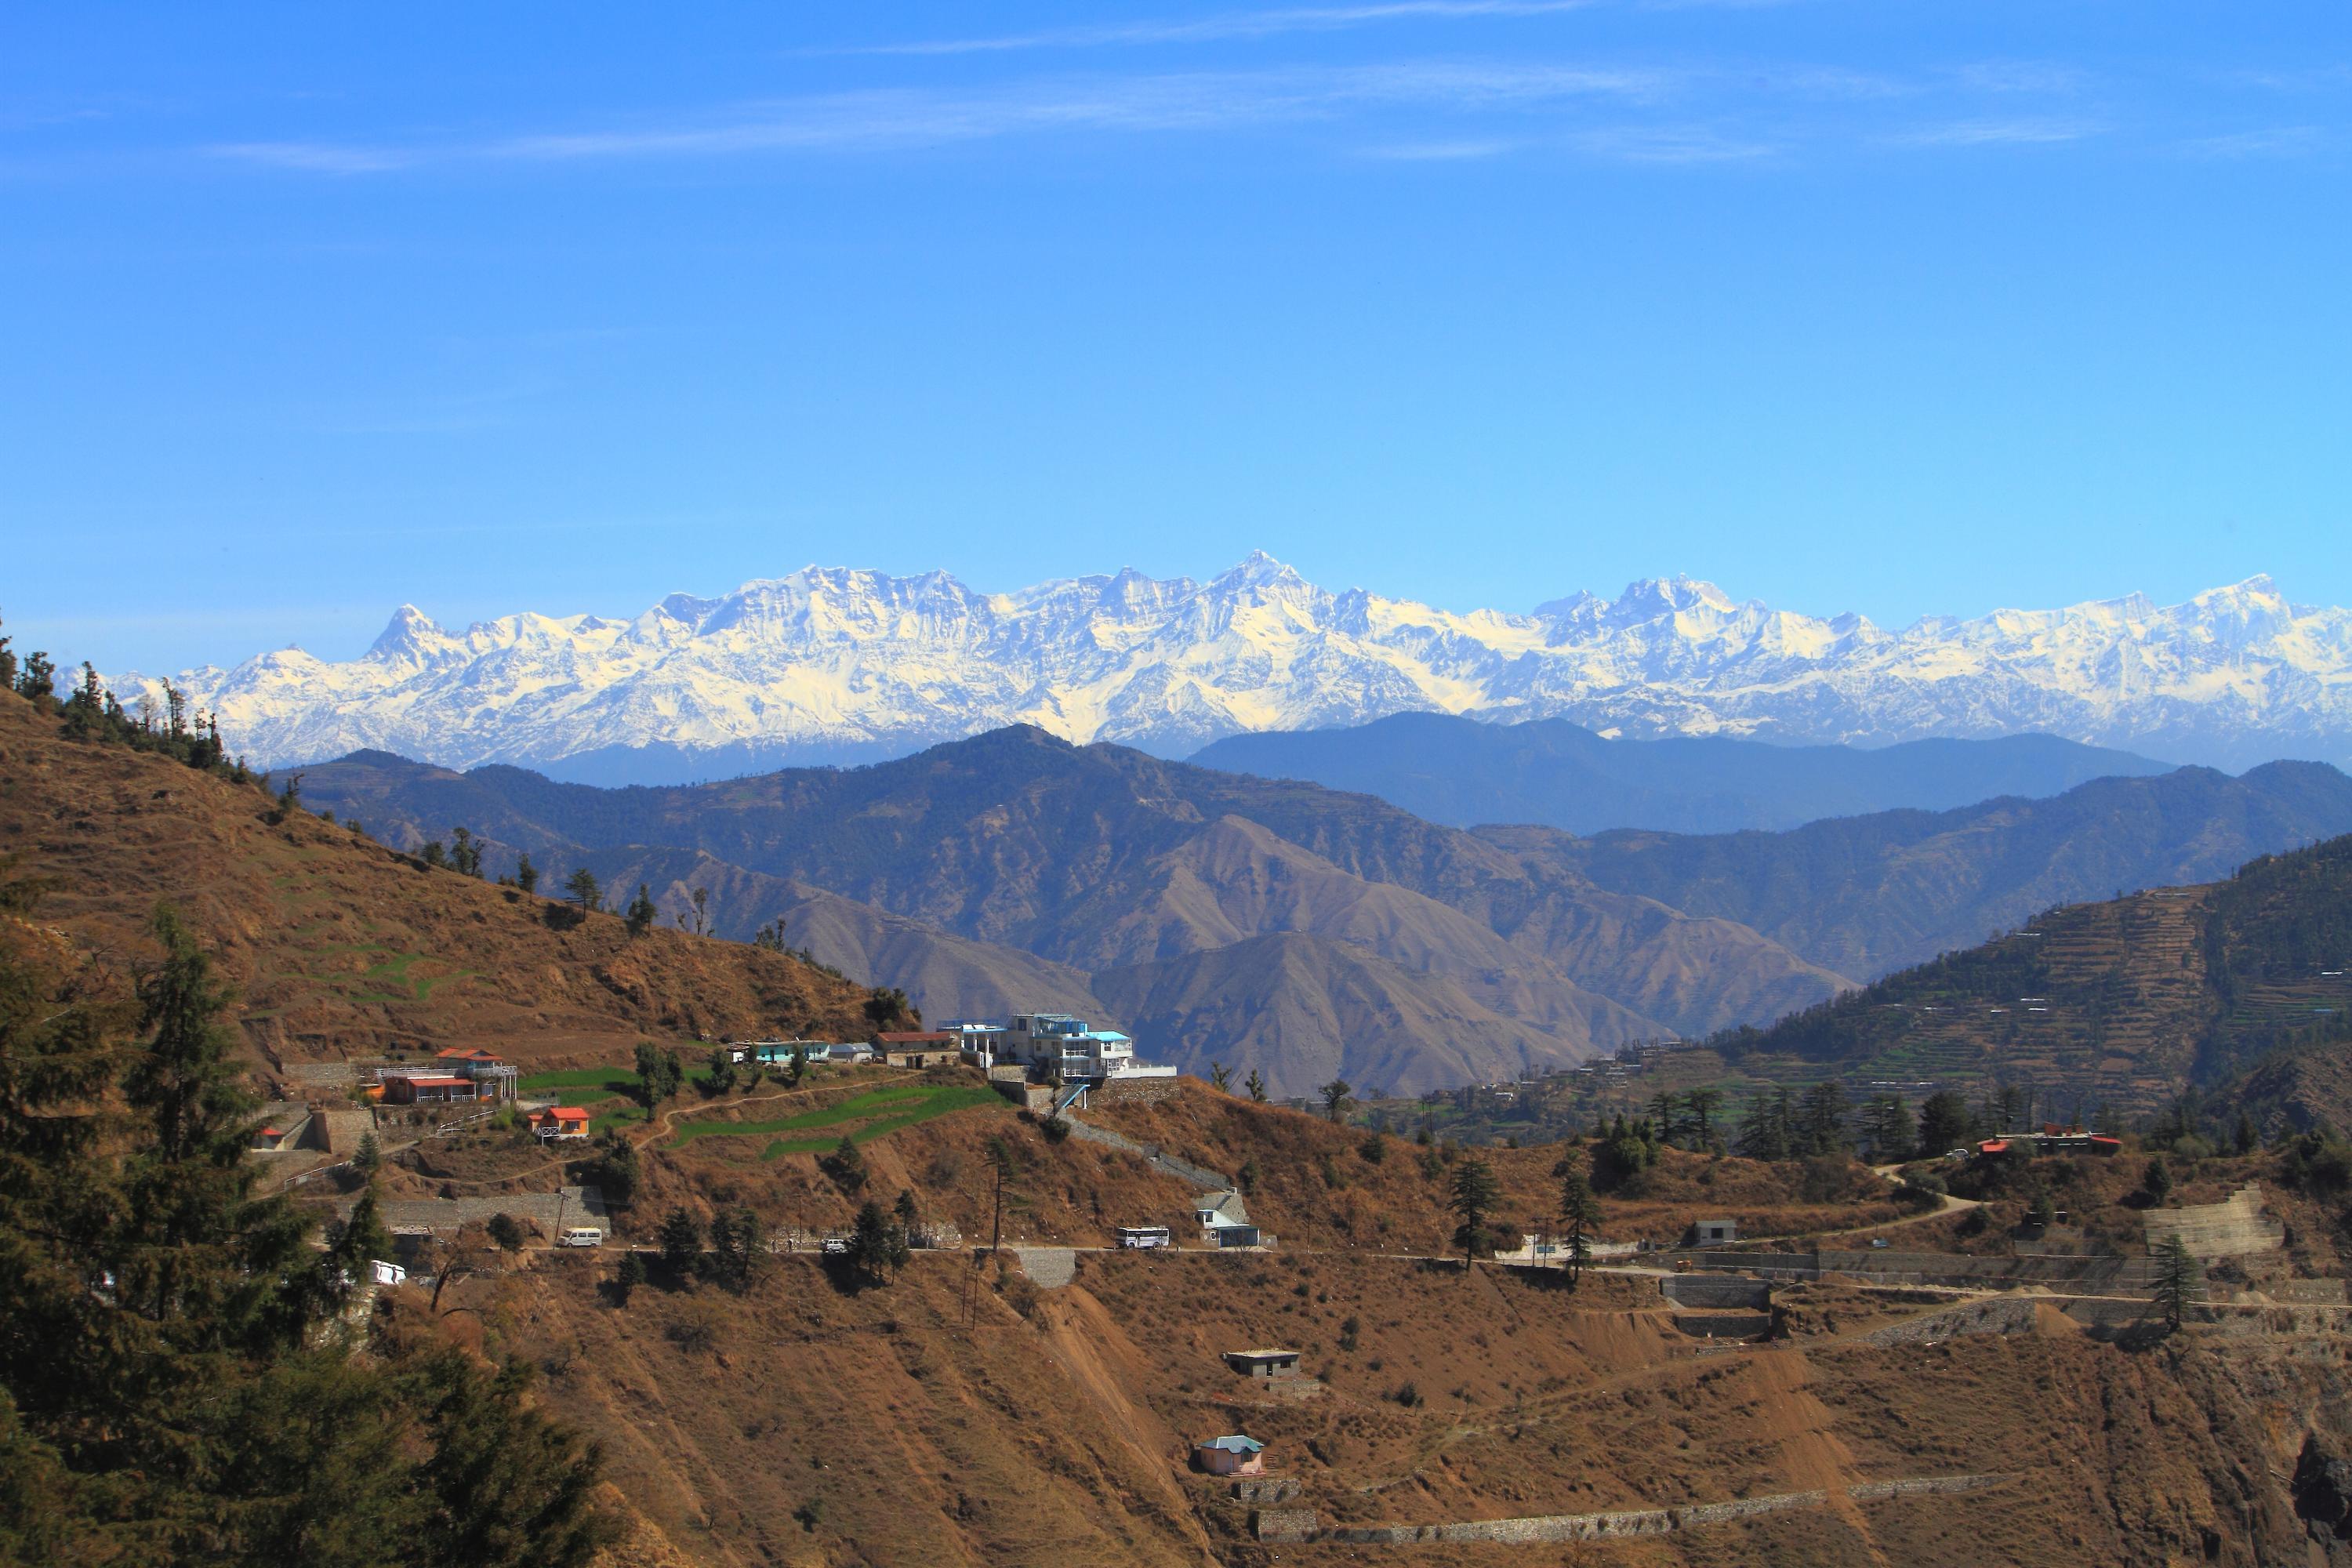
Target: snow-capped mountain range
(833,664)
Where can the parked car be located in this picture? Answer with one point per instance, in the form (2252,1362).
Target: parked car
(581,1235)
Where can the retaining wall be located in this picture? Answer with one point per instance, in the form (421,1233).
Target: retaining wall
(1620,1525)
(2098,1275)
(1722,1290)
(1133,1090)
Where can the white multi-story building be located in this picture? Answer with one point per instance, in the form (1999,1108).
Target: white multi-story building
(1057,1046)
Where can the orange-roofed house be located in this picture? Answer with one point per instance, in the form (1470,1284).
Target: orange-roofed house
(559,1121)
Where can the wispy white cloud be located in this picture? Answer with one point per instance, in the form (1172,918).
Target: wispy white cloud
(1229,27)
(2263,141)
(2044,77)
(2029,132)
(1667,144)
(1196,101)
(319,157)
(1454,152)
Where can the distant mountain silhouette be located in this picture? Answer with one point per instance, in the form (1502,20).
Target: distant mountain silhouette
(1463,771)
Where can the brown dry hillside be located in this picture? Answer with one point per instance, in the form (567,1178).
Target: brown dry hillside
(340,947)
(1310,1183)
(810,1422)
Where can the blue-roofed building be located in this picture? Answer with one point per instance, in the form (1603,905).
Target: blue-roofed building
(1061,1049)
(1230,1455)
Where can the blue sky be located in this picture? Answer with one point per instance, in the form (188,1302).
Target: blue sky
(1894,307)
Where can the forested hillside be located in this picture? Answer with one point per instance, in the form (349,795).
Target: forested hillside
(2124,1004)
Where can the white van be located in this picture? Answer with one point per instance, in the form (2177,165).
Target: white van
(581,1235)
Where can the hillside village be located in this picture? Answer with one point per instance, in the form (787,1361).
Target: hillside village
(732,1207)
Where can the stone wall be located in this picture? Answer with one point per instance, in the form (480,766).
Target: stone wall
(1283,1524)
(1618,1525)
(1133,1092)
(1717,1290)
(1265,1489)
(1724,1325)
(2098,1275)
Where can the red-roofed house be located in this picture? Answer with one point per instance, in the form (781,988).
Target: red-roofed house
(559,1121)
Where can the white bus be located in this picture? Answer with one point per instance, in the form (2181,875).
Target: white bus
(1144,1235)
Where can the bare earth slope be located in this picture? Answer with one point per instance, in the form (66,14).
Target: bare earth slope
(963,1415)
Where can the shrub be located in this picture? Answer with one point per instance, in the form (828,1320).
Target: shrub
(845,1166)
(1407,1395)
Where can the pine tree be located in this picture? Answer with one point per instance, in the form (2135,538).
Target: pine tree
(1943,1124)
(581,887)
(464,852)
(628,1276)
(659,1074)
(1220,1077)
(1666,1113)
(1764,1131)
(1700,1104)
(2180,1283)
(641,913)
(681,1243)
(1579,1215)
(173,1386)
(1821,1119)
(1475,1193)
(1336,1095)
(1255,1084)
(877,1245)
(526,874)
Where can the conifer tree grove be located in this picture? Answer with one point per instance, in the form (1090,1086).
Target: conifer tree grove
(178,1376)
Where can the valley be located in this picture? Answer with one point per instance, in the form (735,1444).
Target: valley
(1308,934)
(761,1388)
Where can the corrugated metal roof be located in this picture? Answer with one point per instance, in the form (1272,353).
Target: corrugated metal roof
(1234,1443)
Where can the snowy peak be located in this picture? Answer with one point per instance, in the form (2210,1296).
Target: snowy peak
(846,663)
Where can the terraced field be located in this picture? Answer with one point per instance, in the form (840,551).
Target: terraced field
(2109,1005)
(861,1118)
